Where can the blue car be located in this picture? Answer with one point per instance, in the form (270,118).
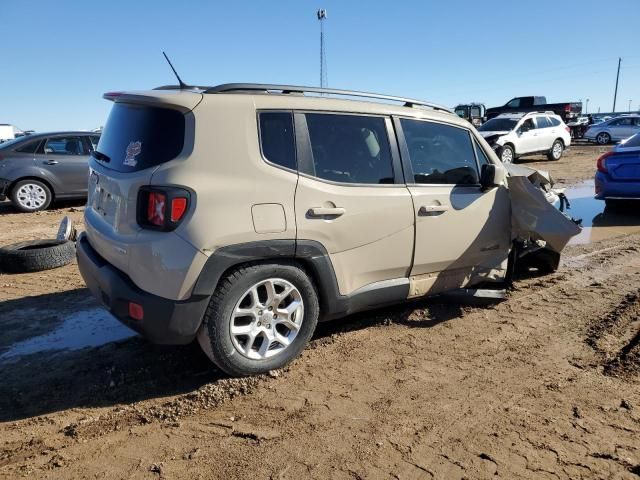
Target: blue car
(618,175)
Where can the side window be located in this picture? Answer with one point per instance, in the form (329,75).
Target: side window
(554,121)
(277,138)
(543,122)
(30,147)
(527,125)
(515,103)
(482,157)
(440,153)
(94,139)
(350,148)
(64,146)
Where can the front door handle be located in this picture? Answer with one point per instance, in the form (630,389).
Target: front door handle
(428,209)
(326,211)
(51,162)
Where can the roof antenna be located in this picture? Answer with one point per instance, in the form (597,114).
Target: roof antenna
(182,84)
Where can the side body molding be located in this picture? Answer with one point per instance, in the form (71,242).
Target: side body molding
(316,260)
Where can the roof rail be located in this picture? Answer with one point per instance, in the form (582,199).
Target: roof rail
(288,89)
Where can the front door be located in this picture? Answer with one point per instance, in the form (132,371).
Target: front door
(527,139)
(351,197)
(463,234)
(66,158)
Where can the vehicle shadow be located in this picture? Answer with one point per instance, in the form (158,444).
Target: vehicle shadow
(132,370)
(6,207)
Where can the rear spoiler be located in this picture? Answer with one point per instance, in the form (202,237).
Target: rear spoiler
(182,100)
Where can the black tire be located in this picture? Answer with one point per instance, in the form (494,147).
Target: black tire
(215,336)
(553,157)
(603,138)
(544,260)
(36,255)
(507,154)
(21,205)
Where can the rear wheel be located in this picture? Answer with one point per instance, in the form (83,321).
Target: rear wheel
(260,318)
(507,155)
(30,195)
(603,138)
(556,150)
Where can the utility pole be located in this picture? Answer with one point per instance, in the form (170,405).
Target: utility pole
(586,109)
(629,109)
(615,94)
(322,16)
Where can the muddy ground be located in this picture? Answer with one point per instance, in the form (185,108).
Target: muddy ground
(543,385)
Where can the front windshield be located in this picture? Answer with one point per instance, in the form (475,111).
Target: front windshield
(498,125)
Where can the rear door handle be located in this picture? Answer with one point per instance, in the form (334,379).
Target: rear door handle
(427,209)
(326,211)
(51,162)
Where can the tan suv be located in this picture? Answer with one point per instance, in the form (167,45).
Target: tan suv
(242,214)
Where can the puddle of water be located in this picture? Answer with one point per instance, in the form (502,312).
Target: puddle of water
(88,328)
(598,223)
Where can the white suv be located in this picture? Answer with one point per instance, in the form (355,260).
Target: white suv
(513,135)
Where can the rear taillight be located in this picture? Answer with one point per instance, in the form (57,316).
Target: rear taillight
(567,129)
(162,208)
(602,162)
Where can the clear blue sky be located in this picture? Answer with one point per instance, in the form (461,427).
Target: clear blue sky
(58,57)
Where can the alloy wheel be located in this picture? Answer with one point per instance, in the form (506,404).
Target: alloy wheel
(266,319)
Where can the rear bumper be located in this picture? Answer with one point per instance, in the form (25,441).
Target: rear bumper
(606,188)
(168,322)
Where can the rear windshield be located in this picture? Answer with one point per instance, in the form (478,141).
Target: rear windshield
(138,137)
(632,142)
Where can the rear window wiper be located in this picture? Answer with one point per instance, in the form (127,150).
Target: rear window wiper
(100,156)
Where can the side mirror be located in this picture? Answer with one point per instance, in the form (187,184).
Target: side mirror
(491,176)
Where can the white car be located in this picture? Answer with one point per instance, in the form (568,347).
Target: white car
(513,135)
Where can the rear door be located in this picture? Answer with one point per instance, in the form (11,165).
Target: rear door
(621,128)
(462,233)
(351,196)
(66,158)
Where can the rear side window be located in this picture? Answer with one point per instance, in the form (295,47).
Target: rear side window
(350,148)
(277,139)
(543,122)
(30,147)
(440,154)
(136,137)
(554,121)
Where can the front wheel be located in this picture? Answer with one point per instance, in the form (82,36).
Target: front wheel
(556,151)
(259,318)
(507,155)
(30,195)
(603,138)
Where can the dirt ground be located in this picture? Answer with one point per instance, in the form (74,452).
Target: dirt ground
(543,385)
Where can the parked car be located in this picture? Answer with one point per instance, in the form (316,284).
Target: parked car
(241,218)
(514,135)
(40,168)
(618,176)
(566,110)
(474,113)
(614,130)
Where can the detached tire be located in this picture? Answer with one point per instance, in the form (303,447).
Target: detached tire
(36,255)
(259,318)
